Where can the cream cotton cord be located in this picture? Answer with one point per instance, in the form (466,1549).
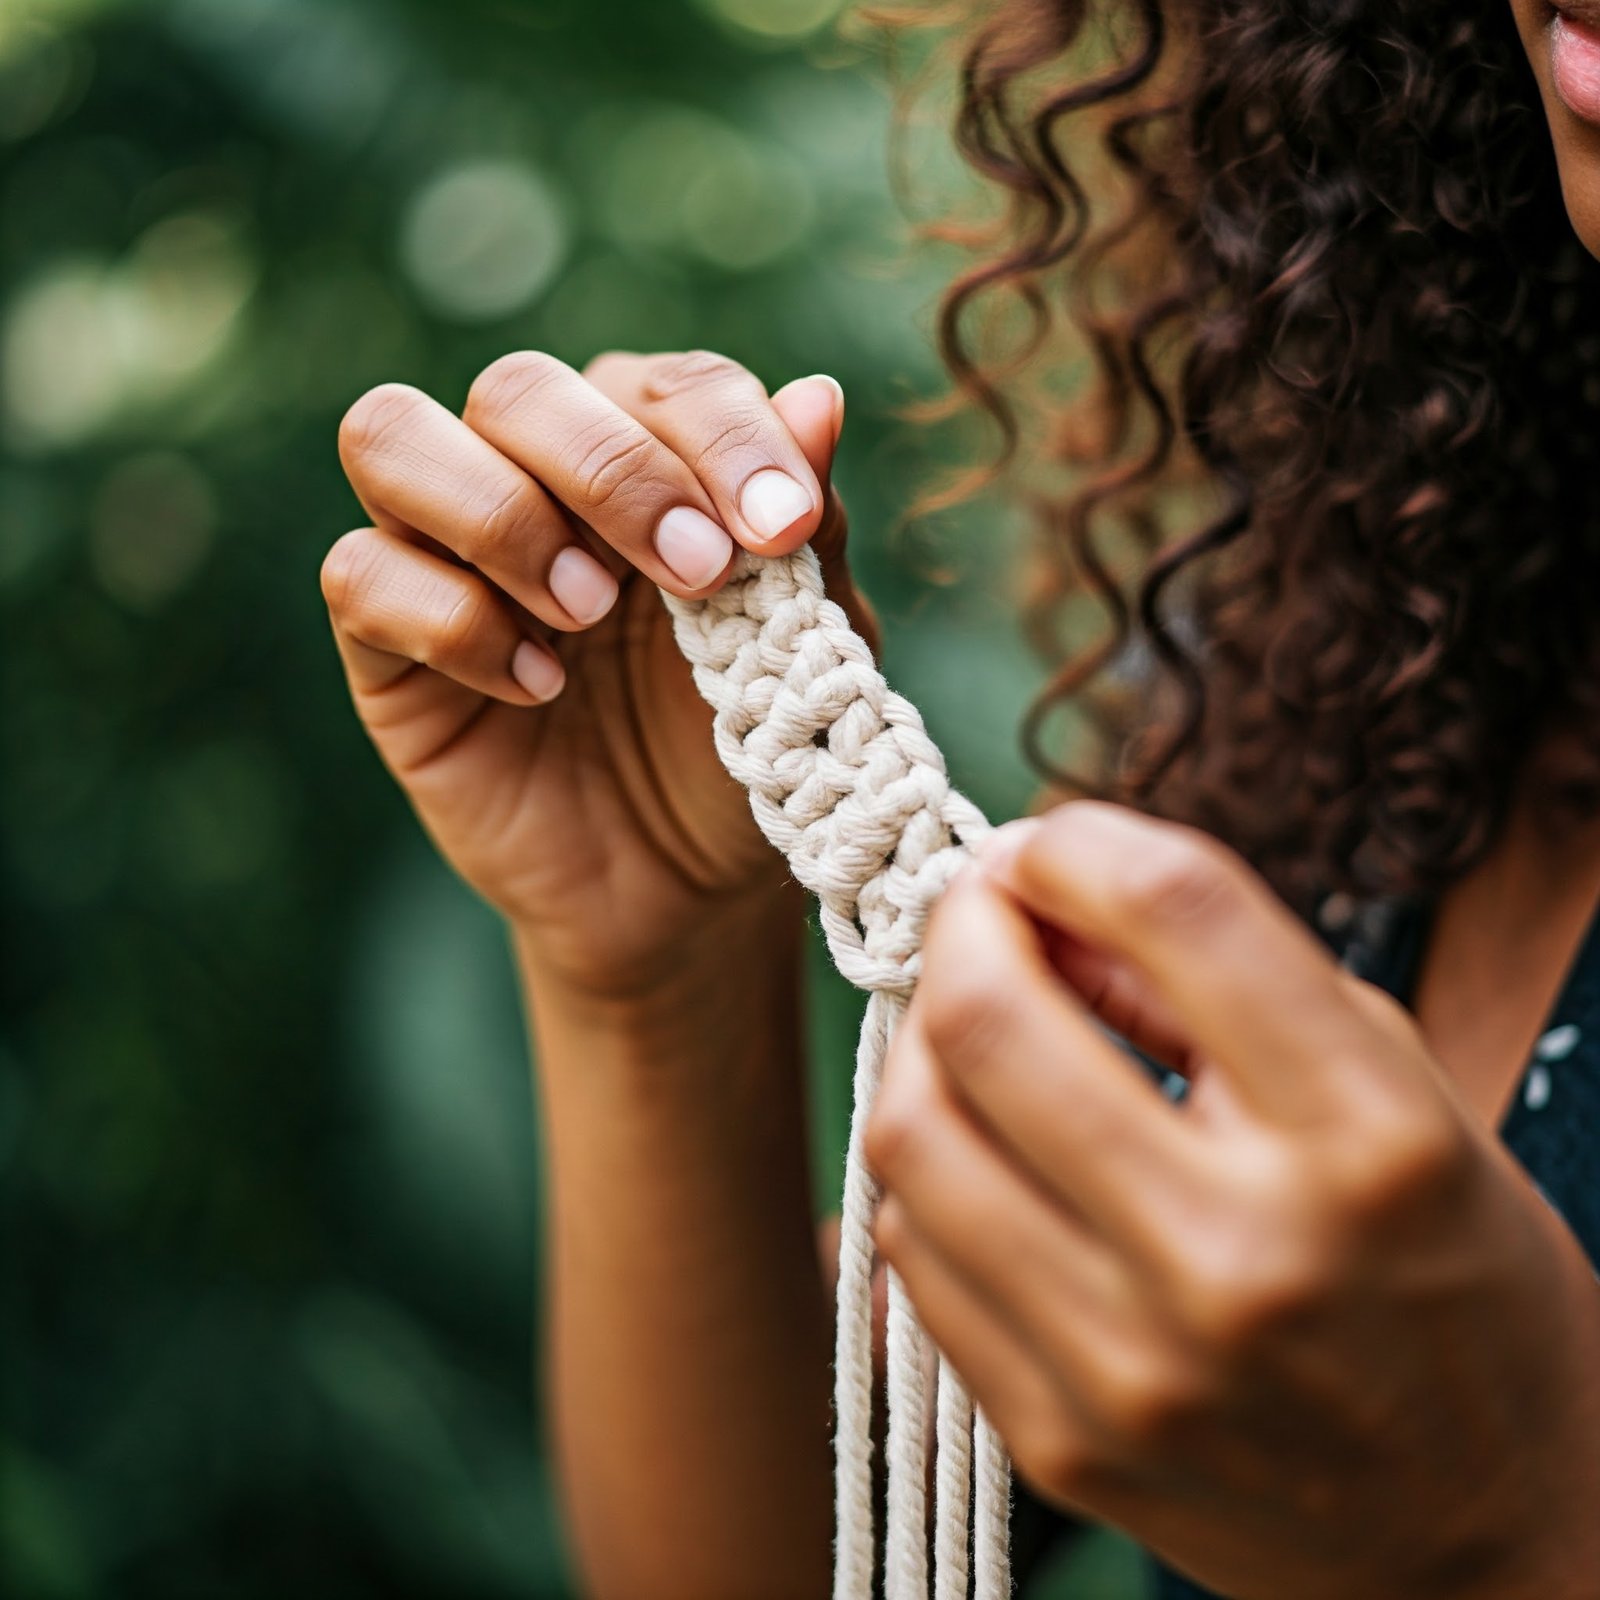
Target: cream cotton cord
(844,780)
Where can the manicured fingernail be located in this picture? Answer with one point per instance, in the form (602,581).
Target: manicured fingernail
(584,588)
(692,545)
(537,670)
(772,501)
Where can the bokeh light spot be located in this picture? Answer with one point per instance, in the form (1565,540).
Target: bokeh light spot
(62,374)
(86,338)
(677,178)
(615,302)
(42,74)
(183,286)
(482,239)
(755,210)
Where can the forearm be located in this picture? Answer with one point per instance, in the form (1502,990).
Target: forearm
(690,1336)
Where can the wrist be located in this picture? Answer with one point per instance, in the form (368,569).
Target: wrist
(741,957)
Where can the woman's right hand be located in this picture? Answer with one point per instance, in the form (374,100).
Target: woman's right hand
(513,664)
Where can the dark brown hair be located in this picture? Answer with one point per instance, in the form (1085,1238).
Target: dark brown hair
(1332,472)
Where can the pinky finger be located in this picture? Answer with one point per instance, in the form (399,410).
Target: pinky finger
(396,605)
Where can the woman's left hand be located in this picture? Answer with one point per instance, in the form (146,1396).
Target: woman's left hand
(1312,1333)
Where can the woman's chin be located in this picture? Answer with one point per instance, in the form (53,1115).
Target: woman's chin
(1578,158)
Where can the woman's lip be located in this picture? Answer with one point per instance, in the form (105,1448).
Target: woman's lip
(1575,65)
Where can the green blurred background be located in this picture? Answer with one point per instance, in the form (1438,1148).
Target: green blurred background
(270,1168)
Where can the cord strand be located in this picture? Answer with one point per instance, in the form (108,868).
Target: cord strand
(845,782)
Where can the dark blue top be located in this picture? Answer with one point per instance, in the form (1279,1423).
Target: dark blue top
(1552,1125)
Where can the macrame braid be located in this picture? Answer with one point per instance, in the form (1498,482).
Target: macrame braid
(845,781)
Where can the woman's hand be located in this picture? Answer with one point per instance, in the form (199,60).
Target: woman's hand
(510,657)
(1312,1334)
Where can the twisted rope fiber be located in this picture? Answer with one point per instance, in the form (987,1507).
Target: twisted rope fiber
(844,780)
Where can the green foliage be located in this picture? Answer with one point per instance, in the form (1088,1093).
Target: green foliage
(265,1120)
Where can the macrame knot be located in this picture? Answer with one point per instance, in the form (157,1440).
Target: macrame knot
(842,775)
(845,781)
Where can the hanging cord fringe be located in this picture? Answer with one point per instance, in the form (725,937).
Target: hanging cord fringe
(844,780)
(952,1488)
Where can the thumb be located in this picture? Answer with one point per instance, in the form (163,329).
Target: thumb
(1110,986)
(812,408)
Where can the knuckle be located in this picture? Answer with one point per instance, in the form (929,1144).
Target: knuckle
(604,463)
(672,375)
(1149,1403)
(1245,1293)
(461,625)
(1411,1156)
(500,519)
(375,420)
(733,437)
(1181,882)
(512,380)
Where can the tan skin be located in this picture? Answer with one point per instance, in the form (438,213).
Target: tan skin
(1501,945)
(1316,1336)
(690,1332)
(1506,935)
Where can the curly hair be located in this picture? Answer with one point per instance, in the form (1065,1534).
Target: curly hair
(1330,473)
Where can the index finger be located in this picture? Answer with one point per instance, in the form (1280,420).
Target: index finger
(717,416)
(1246,981)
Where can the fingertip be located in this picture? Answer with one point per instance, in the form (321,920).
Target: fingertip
(835,400)
(826,384)
(537,671)
(998,852)
(818,396)
(812,408)
(977,917)
(339,563)
(889,1227)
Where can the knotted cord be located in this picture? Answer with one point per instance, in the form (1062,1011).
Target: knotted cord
(844,780)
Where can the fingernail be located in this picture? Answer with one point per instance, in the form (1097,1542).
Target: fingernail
(584,588)
(772,501)
(537,670)
(838,399)
(692,545)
